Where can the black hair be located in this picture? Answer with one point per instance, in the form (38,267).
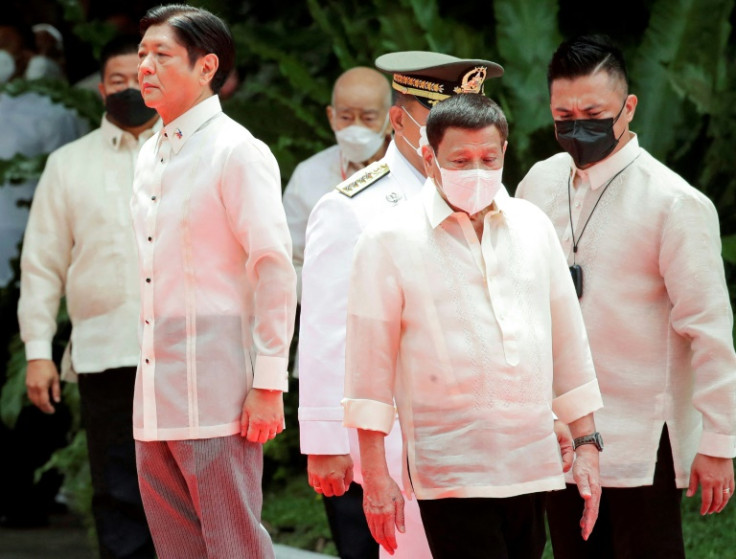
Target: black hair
(119,46)
(200,32)
(584,55)
(470,111)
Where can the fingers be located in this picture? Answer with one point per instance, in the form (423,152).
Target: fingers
(590,515)
(382,528)
(399,513)
(567,458)
(258,432)
(331,487)
(38,394)
(584,488)
(693,484)
(330,475)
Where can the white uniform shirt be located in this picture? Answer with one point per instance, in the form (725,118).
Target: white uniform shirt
(312,179)
(477,342)
(79,243)
(31,125)
(656,308)
(334,227)
(218,289)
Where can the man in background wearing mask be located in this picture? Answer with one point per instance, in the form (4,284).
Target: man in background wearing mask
(32,125)
(645,255)
(420,79)
(462,315)
(358,115)
(79,243)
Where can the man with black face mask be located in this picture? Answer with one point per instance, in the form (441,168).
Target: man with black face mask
(644,252)
(79,243)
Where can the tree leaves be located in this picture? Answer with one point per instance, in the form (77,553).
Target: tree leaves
(527,35)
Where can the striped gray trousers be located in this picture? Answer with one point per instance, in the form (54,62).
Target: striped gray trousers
(203,498)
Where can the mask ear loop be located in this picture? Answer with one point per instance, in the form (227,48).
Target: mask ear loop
(615,120)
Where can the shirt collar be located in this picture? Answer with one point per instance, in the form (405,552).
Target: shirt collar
(599,174)
(438,211)
(179,130)
(400,166)
(114,136)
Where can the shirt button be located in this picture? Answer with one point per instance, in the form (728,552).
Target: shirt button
(577,204)
(148,280)
(150,239)
(153,198)
(162,160)
(147,361)
(148,322)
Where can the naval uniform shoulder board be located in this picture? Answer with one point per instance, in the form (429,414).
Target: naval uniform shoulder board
(365,178)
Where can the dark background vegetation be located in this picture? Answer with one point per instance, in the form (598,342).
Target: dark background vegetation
(682,61)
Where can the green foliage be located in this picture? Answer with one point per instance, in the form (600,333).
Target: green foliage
(527,102)
(87,103)
(72,461)
(294,515)
(13,396)
(20,169)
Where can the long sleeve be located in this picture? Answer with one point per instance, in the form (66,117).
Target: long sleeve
(691,265)
(45,259)
(576,388)
(332,232)
(252,196)
(373,336)
(297,216)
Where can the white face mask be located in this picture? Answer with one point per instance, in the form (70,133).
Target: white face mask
(423,141)
(358,143)
(470,190)
(7,66)
(43,67)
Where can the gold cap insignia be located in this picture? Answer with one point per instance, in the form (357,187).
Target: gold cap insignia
(472,81)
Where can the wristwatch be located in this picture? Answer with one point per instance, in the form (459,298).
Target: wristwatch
(594,438)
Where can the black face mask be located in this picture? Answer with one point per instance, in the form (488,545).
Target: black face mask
(127,108)
(588,140)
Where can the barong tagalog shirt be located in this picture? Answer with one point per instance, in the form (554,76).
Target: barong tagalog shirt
(479,344)
(218,288)
(79,244)
(656,307)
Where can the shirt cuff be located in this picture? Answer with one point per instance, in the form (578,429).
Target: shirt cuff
(716,445)
(323,437)
(578,402)
(368,415)
(271,373)
(38,349)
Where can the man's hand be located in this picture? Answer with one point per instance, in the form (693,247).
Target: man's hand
(329,474)
(383,505)
(715,477)
(586,473)
(42,384)
(263,415)
(564,439)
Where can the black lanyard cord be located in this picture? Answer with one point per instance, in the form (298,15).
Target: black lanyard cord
(575,243)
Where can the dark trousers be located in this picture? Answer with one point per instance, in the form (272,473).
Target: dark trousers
(107,415)
(484,528)
(348,525)
(637,522)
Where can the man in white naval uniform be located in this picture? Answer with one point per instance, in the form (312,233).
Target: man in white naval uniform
(420,79)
